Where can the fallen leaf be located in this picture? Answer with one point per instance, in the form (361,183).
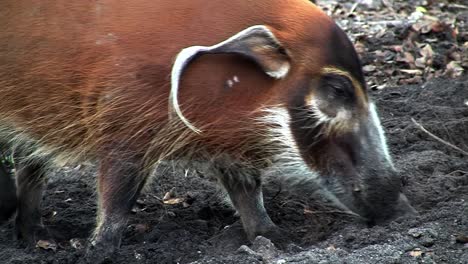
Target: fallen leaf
(137,209)
(380,87)
(421,9)
(420,62)
(416,253)
(142,228)
(138,256)
(170,194)
(422,26)
(140,202)
(360,47)
(427,51)
(453,69)
(437,27)
(406,57)
(463,239)
(331,248)
(46,244)
(171,214)
(369,68)
(397,48)
(174,201)
(412,71)
(76,243)
(415,16)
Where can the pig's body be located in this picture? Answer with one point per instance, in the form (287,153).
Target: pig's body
(91,81)
(86,66)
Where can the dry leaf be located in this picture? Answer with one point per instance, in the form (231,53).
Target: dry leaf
(411,71)
(142,228)
(397,48)
(462,238)
(422,26)
(437,27)
(76,243)
(416,253)
(369,68)
(170,194)
(173,201)
(420,62)
(427,51)
(454,69)
(46,244)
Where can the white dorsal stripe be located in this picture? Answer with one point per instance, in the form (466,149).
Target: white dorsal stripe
(188,54)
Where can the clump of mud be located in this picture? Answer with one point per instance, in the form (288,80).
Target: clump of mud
(193,225)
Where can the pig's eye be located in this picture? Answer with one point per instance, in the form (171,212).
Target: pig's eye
(338,90)
(339,87)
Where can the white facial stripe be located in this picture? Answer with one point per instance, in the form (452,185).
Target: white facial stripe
(287,157)
(288,164)
(374,118)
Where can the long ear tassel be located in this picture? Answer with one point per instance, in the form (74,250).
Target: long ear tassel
(182,60)
(234,45)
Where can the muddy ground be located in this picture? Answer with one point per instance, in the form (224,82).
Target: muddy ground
(200,228)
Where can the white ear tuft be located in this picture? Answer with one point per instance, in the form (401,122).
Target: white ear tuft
(280,73)
(182,60)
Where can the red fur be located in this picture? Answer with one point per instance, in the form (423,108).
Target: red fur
(97,72)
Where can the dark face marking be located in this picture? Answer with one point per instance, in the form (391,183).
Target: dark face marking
(335,92)
(351,159)
(330,94)
(341,54)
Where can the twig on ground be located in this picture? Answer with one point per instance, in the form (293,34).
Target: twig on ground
(459,6)
(351,11)
(306,211)
(438,138)
(457,171)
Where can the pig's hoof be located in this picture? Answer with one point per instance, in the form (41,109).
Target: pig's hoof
(277,235)
(29,235)
(6,211)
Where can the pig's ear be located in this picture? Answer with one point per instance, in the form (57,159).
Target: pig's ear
(256,43)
